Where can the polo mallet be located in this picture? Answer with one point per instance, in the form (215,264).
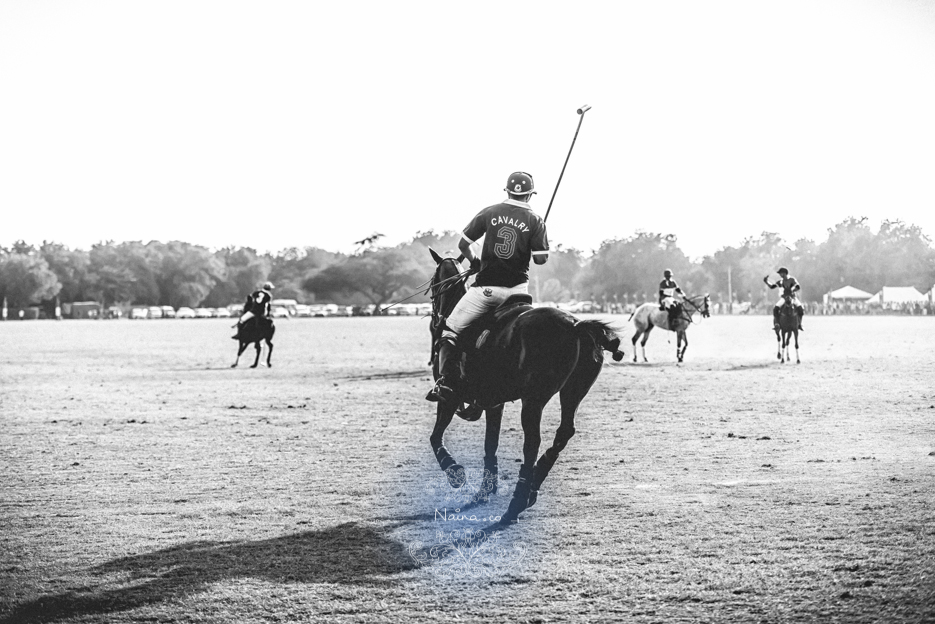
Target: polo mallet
(581,112)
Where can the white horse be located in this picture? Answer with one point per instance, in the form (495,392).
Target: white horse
(649,315)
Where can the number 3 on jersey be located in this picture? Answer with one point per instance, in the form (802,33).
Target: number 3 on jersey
(505,249)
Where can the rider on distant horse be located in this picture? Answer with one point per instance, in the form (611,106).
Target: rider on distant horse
(256,305)
(667,301)
(514,233)
(789,287)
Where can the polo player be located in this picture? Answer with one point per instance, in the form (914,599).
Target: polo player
(256,305)
(667,301)
(790,286)
(513,234)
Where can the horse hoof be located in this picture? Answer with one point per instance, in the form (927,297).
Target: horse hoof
(233,366)
(508,519)
(456,476)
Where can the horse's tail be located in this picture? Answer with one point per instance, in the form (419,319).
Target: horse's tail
(603,334)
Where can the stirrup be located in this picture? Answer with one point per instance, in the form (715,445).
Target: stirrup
(440,392)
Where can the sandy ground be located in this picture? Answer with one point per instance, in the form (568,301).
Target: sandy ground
(144,480)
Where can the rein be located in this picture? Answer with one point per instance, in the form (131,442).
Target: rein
(430,285)
(697,308)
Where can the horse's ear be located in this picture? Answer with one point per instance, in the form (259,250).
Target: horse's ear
(435,256)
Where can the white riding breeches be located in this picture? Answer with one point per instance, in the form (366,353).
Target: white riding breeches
(475,302)
(668,302)
(246,317)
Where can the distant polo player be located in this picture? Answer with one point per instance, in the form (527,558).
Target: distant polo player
(790,286)
(512,234)
(256,305)
(667,301)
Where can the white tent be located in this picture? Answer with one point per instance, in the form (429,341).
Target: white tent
(898,294)
(849,292)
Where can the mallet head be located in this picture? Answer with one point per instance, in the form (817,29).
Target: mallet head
(584,109)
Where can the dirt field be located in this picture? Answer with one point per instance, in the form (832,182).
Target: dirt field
(144,480)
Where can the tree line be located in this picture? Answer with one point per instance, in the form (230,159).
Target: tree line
(183,274)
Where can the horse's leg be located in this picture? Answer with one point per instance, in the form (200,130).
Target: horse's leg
(531,420)
(636,336)
(643,342)
(259,348)
(679,337)
(797,361)
(491,443)
(778,346)
(443,415)
(243,347)
(269,353)
(572,393)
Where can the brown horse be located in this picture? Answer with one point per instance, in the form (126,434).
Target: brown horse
(649,315)
(255,330)
(516,353)
(788,327)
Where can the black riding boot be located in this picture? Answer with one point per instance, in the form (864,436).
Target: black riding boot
(799,314)
(449,368)
(775,317)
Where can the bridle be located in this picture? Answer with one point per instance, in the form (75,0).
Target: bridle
(441,305)
(699,309)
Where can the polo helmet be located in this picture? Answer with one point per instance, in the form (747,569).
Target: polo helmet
(520,183)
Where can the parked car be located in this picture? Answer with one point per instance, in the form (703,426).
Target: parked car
(138,313)
(279,312)
(204,312)
(222,313)
(185,313)
(113,312)
(288,304)
(154,312)
(235,309)
(168,312)
(302,310)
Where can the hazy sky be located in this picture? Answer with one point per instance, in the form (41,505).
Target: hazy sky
(318,123)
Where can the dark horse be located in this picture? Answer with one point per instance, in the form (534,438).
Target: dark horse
(517,352)
(253,331)
(788,326)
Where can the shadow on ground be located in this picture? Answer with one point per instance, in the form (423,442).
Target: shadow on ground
(349,553)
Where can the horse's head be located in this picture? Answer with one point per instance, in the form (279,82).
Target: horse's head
(703,308)
(446,286)
(788,304)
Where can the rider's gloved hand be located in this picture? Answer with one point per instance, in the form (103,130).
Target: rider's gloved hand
(475,266)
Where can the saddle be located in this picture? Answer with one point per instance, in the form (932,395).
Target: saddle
(477,335)
(483,336)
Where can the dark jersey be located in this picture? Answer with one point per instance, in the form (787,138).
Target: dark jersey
(668,288)
(789,285)
(258,303)
(513,233)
